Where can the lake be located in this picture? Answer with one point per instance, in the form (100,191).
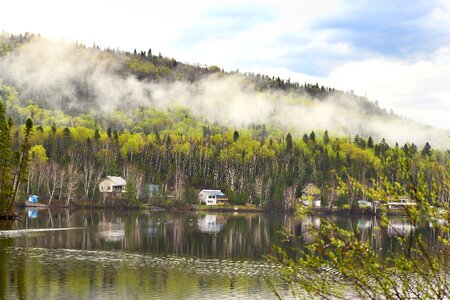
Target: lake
(106,254)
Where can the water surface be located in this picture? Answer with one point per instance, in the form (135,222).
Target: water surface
(105,254)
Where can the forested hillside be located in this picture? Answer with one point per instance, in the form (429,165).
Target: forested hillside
(155,120)
(75,79)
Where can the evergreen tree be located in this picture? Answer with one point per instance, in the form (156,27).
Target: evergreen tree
(6,153)
(21,173)
(130,194)
(413,149)
(312,137)
(326,138)
(289,142)
(235,136)
(305,138)
(426,151)
(370,143)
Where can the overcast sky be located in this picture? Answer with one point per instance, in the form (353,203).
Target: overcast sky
(394,51)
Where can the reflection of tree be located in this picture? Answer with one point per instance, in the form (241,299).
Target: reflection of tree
(4,263)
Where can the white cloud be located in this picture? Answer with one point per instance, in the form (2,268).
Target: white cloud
(418,90)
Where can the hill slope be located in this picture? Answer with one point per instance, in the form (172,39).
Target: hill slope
(80,80)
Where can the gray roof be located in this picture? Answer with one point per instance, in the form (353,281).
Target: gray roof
(117,180)
(213,192)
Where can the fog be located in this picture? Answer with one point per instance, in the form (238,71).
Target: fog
(51,73)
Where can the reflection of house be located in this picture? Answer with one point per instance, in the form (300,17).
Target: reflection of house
(112,186)
(309,223)
(399,227)
(364,224)
(311,195)
(212,197)
(211,224)
(111,232)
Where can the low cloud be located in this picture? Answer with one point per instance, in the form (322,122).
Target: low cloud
(51,72)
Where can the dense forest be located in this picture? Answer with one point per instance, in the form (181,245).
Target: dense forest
(73,147)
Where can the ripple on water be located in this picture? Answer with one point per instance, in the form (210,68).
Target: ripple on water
(18,233)
(200,266)
(237,272)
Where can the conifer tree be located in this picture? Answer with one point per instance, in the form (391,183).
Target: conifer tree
(326,138)
(235,136)
(426,151)
(312,137)
(5,159)
(370,143)
(24,157)
(289,142)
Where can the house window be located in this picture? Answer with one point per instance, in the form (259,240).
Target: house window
(109,188)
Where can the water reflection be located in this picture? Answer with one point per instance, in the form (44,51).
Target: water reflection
(111,232)
(211,223)
(399,227)
(218,235)
(130,254)
(32,213)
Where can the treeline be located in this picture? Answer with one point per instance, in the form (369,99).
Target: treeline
(70,154)
(256,165)
(68,163)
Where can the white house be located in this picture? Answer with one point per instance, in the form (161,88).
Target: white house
(212,197)
(112,186)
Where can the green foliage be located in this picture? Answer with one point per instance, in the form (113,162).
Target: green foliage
(426,151)
(326,138)
(259,164)
(235,136)
(13,165)
(130,194)
(190,196)
(288,142)
(337,264)
(6,166)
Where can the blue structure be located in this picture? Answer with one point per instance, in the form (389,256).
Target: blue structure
(33,199)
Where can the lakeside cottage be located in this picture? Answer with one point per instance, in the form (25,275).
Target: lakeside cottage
(399,202)
(112,186)
(212,197)
(311,195)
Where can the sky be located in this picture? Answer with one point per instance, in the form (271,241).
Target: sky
(396,52)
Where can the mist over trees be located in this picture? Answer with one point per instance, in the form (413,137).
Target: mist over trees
(80,80)
(254,165)
(154,120)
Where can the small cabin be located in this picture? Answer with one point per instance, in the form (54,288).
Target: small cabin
(400,202)
(112,186)
(311,194)
(212,197)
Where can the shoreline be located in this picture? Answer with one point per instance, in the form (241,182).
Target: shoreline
(205,208)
